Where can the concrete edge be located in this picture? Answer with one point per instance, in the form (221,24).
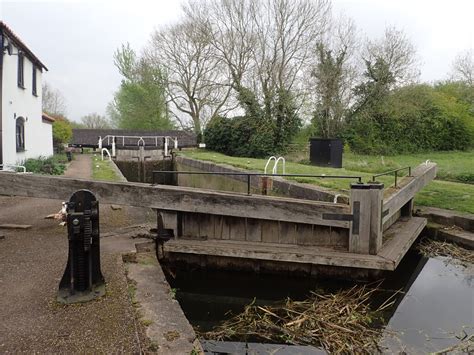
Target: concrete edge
(166,325)
(447,217)
(459,237)
(121,177)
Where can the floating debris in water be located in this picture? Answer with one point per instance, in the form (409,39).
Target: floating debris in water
(340,322)
(457,255)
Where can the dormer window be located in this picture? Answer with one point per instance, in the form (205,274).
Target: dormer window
(21,72)
(33,86)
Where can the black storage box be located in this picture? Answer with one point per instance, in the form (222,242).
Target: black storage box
(326,152)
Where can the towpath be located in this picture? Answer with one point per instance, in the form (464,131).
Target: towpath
(80,167)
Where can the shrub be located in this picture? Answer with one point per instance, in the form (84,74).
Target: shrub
(411,119)
(54,165)
(239,136)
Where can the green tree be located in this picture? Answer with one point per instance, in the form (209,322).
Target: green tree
(329,75)
(62,132)
(140,102)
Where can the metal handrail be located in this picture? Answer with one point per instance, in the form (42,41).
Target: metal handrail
(14,166)
(139,139)
(393,172)
(275,167)
(249,175)
(268,162)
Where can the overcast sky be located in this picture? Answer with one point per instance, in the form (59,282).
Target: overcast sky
(76,39)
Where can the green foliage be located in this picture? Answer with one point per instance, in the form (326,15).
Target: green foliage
(103,170)
(239,136)
(329,76)
(410,119)
(54,165)
(62,132)
(265,129)
(140,102)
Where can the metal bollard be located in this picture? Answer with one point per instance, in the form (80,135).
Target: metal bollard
(82,280)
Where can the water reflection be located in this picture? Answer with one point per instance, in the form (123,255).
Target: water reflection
(438,306)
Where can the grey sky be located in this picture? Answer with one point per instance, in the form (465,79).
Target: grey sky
(77,39)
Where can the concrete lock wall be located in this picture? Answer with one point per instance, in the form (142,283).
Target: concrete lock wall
(279,186)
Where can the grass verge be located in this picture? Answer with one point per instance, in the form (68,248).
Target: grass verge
(103,170)
(439,193)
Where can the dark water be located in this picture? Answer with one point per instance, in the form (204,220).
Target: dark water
(435,304)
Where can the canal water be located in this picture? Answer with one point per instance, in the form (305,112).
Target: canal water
(434,303)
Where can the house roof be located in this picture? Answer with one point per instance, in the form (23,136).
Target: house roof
(90,137)
(47,118)
(20,44)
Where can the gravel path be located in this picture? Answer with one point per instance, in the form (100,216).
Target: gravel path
(80,167)
(31,265)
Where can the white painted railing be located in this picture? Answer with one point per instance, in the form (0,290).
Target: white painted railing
(275,165)
(22,167)
(105,150)
(141,140)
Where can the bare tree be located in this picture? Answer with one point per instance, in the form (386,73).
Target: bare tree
(463,67)
(53,101)
(197,86)
(264,44)
(95,121)
(397,53)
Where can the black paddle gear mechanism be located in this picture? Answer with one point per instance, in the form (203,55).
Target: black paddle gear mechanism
(82,280)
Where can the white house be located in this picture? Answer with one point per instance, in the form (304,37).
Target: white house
(24,131)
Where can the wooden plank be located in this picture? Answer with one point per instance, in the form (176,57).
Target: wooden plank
(287,234)
(421,176)
(237,227)
(400,238)
(190,225)
(321,236)
(206,225)
(277,253)
(340,238)
(174,198)
(304,234)
(15,226)
(254,230)
(270,231)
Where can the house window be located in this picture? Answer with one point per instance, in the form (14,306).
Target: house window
(21,74)
(20,134)
(33,86)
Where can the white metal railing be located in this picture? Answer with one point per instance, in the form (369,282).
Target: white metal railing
(275,165)
(141,140)
(105,150)
(14,167)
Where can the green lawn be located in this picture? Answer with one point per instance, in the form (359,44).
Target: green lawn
(442,194)
(103,170)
